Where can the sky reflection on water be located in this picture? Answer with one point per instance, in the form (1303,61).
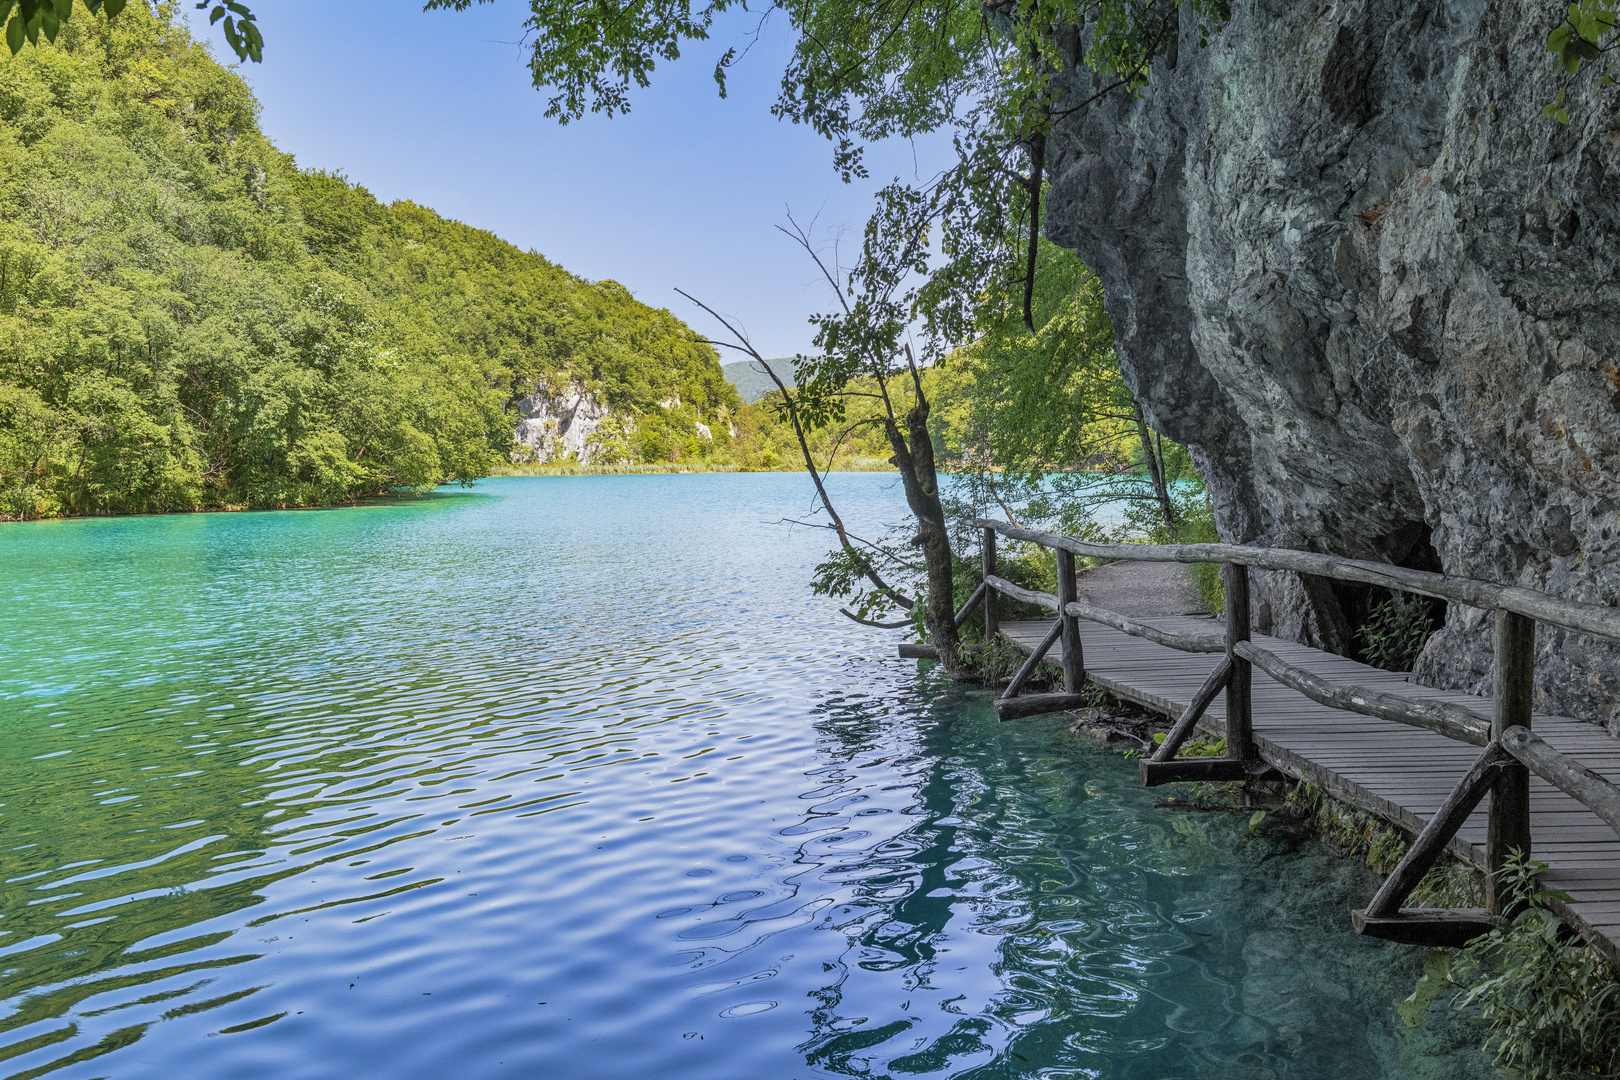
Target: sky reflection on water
(568,775)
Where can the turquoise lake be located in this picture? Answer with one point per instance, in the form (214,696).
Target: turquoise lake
(572,778)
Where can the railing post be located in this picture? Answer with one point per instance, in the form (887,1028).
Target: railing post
(1239,715)
(1512,695)
(1074,661)
(992,621)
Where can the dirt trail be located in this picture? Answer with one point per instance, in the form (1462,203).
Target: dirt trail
(1142,589)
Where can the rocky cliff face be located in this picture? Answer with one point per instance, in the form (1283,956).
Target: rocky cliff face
(1352,265)
(554,424)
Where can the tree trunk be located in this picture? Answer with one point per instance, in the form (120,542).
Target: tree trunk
(1037,166)
(1155,463)
(914,457)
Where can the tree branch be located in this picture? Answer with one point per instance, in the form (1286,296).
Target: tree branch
(792,406)
(868,622)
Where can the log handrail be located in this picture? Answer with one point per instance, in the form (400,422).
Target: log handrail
(1441,717)
(1599,620)
(1206,643)
(1028,596)
(1512,751)
(1565,773)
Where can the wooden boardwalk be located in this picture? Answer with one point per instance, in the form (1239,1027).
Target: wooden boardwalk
(1397,772)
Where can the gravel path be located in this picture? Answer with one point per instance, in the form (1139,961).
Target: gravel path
(1142,589)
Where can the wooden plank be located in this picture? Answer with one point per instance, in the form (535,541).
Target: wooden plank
(1401,774)
(1435,927)
(1205,769)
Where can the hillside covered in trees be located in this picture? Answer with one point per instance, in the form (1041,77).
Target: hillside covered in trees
(188,321)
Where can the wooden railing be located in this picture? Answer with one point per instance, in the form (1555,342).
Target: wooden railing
(1511,750)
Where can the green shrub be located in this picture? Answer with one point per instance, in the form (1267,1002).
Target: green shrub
(992,662)
(1025,565)
(1550,1002)
(1395,632)
(1190,749)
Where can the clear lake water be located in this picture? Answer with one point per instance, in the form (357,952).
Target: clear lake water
(572,778)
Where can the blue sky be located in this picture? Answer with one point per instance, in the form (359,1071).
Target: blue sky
(685,191)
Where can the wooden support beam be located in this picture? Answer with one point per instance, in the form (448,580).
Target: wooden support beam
(1513,690)
(1432,841)
(1032,663)
(972,602)
(1565,773)
(992,616)
(1436,927)
(1239,714)
(1035,704)
(1074,661)
(1199,643)
(1189,719)
(1452,721)
(1207,769)
(911,650)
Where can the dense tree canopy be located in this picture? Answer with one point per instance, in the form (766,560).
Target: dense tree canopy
(187,320)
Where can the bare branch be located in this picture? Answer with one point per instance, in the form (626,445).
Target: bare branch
(990,478)
(798,234)
(816,475)
(869,622)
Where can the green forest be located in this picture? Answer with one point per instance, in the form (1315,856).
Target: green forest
(189,321)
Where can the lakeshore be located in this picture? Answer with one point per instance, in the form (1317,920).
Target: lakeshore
(660,468)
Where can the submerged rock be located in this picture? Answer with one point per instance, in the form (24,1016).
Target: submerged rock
(1357,271)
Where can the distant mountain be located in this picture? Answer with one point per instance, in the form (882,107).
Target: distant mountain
(752,383)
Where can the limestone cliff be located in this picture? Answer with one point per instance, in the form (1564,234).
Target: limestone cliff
(1352,265)
(555,424)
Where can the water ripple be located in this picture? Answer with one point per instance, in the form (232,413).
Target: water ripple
(570,776)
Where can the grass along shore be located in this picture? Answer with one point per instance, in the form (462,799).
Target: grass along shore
(574,468)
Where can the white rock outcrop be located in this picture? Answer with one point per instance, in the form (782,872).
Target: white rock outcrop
(557,424)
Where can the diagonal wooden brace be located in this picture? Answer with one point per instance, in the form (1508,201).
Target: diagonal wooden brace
(1034,660)
(1188,720)
(972,602)
(1432,841)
